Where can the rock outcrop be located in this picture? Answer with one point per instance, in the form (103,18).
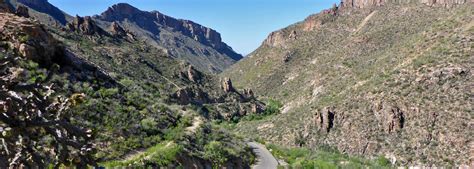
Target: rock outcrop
(372,3)
(84,25)
(117,30)
(248,93)
(152,20)
(324,119)
(227,85)
(22,11)
(391,118)
(193,74)
(30,40)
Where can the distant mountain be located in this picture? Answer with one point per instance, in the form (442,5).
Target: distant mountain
(43,11)
(182,39)
(79,94)
(375,78)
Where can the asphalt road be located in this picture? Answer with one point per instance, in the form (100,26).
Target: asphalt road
(265,159)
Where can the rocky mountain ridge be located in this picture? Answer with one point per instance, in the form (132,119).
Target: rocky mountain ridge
(390,80)
(182,39)
(205,35)
(373,3)
(129,96)
(156,27)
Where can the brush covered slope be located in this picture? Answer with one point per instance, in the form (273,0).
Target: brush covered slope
(131,103)
(182,39)
(391,79)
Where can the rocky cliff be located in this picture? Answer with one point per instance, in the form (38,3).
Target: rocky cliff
(182,39)
(157,27)
(205,35)
(390,80)
(120,89)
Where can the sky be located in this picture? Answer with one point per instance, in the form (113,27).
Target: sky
(243,24)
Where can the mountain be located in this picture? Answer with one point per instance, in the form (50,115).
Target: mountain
(43,11)
(182,39)
(80,95)
(370,78)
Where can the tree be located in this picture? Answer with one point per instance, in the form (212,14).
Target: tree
(34,124)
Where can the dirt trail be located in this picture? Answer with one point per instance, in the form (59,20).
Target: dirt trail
(364,22)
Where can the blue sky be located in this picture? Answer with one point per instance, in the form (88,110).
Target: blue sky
(243,24)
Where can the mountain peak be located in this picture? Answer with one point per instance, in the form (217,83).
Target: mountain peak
(120,10)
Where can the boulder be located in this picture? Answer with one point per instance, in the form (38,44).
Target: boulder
(193,75)
(84,25)
(227,85)
(29,39)
(324,119)
(248,93)
(22,11)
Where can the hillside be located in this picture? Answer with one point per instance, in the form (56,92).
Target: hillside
(183,39)
(99,97)
(370,78)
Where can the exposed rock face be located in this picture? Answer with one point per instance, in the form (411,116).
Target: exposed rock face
(84,25)
(152,20)
(372,3)
(22,11)
(391,118)
(311,23)
(117,30)
(248,93)
(324,119)
(36,44)
(275,39)
(193,74)
(227,85)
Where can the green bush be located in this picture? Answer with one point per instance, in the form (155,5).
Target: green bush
(272,107)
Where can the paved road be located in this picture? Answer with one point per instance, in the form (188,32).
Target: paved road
(265,159)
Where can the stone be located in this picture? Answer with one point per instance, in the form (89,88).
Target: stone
(84,25)
(193,75)
(27,51)
(29,39)
(312,23)
(274,39)
(325,118)
(248,93)
(391,118)
(227,85)
(22,11)
(117,30)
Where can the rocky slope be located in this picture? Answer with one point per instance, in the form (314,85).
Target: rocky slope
(182,39)
(137,101)
(373,3)
(199,45)
(371,78)
(42,10)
